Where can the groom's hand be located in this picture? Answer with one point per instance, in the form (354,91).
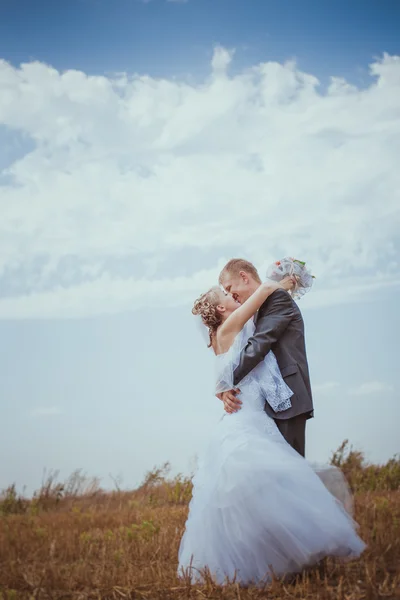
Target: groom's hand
(231,402)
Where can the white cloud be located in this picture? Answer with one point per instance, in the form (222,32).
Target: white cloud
(107,295)
(221,59)
(137,189)
(46,411)
(371,388)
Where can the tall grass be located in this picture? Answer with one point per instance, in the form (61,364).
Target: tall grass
(364,477)
(74,540)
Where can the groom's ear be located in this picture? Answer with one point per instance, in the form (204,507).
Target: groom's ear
(244,276)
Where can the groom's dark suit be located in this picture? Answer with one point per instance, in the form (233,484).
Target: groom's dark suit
(280,328)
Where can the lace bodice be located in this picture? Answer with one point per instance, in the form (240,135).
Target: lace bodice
(263,383)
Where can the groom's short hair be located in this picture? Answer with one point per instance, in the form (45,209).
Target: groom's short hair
(235,265)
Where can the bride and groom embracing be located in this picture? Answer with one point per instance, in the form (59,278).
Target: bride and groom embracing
(258,508)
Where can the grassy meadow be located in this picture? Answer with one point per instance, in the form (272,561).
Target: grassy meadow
(76,541)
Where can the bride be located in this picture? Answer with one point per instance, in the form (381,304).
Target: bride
(258,508)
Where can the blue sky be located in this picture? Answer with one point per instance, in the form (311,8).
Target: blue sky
(142,145)
(175,38)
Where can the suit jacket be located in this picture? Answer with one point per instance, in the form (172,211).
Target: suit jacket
(280,328)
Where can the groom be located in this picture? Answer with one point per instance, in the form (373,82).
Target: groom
(280,328)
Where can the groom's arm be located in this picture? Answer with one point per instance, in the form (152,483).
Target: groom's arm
(274,317)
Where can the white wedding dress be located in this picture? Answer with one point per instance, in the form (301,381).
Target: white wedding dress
(258,508)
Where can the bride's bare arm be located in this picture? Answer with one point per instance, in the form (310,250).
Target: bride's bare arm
(236,321)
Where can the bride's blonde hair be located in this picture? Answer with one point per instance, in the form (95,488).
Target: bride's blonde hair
(206,306)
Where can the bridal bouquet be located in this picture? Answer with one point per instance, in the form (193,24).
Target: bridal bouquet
(289,266)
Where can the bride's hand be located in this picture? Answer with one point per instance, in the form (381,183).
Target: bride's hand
(271,286)
(288,283)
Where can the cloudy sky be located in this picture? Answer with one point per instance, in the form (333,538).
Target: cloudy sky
(142,145)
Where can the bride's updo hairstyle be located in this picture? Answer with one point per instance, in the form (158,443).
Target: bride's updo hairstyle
(206,307)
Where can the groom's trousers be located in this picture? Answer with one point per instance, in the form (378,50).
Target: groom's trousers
(294,432)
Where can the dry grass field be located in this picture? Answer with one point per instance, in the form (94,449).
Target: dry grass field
(75,541)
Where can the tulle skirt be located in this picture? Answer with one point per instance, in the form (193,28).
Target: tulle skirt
(259,509)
